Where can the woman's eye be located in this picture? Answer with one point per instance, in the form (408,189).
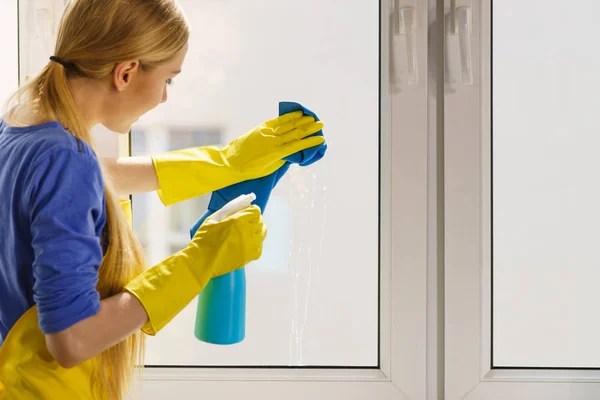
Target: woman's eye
(170,81)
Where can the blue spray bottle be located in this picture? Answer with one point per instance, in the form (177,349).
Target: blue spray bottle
(221,311)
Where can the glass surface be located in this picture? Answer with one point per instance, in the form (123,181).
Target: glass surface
(545,191)
(313,297)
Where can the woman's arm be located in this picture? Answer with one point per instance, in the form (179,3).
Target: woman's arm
(119,317)
(165,289)
(66,199)
(131,175)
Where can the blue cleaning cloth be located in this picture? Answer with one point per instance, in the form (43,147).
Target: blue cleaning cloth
(221,313)
(263,187)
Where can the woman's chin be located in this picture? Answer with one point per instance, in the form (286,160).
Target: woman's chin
(121,129)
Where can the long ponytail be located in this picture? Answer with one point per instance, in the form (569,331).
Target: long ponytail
(124,259)
(151,31)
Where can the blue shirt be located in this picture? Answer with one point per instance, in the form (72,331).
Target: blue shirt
(52,212)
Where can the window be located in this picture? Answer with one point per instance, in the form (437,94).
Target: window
(519,204)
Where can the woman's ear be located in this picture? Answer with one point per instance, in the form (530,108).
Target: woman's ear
(123,73)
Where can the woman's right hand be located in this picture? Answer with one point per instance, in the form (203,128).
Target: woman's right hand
(216,249)
(261,151)
(233,242)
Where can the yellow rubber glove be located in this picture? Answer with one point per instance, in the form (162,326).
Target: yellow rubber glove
(216,249)
(187,173)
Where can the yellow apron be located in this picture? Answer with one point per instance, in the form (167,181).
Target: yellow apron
(29,372)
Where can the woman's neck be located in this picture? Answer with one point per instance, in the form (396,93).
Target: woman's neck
(24,115)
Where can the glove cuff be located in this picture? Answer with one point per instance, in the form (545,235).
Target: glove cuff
(187,173)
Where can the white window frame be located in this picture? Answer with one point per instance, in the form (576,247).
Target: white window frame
(467,220)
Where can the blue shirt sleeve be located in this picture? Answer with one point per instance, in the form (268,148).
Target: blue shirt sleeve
(67,217)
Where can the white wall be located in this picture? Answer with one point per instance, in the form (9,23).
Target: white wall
(546,215)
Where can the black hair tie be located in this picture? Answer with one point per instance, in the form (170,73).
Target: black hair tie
(62,62)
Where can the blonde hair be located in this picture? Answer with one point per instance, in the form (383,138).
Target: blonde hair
(94,36)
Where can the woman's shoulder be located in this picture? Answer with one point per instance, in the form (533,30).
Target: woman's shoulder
(44,139)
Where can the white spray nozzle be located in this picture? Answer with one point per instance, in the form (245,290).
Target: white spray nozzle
(234,206)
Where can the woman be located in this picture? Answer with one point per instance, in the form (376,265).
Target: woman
(74,294)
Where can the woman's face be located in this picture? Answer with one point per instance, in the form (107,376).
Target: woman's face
(139,91)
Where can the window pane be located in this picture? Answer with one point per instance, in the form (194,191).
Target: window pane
(545,196)
(313,297)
